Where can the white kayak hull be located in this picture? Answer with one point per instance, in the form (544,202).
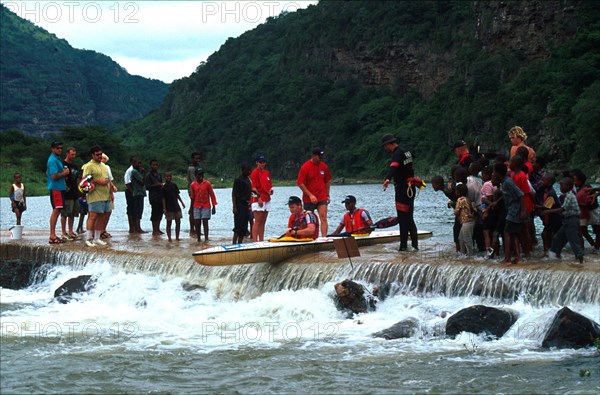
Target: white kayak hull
(269,252)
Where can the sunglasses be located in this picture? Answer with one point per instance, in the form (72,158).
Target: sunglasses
(98,154)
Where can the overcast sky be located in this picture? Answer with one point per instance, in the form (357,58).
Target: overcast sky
(165,40)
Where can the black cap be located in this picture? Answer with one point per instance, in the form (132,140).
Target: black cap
(294,200)
(261,158)
(458,144)
(349,198)
(387,139)
(56,144)
(199,170)
(318,151)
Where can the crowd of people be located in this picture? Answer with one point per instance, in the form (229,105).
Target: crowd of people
(494,200)
(498,201)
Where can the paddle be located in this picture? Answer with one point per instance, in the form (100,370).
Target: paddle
(382,223)
(283,235)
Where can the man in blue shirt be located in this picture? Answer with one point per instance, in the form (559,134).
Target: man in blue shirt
(56,173)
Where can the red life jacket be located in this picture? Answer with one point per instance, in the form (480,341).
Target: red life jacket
(302,220)
(355,221)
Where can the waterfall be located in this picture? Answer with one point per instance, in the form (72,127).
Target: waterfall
(547,286)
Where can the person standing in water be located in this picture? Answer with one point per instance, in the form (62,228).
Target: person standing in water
(399,171)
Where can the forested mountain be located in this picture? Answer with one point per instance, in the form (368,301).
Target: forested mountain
(342,73)
(47,84)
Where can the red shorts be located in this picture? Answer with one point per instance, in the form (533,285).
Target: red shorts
(56,198)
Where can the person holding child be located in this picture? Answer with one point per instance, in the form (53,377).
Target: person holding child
(18,198)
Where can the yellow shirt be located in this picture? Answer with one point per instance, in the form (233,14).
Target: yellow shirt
(98,170)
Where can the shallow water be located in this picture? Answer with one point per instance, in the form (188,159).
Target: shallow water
(139,332)
(380,204)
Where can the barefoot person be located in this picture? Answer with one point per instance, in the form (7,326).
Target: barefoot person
(191,177)
(18,199)
(154,183)
(170,202)
(240,199)
(203,198)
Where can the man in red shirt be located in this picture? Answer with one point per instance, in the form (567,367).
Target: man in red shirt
(314,180)
(203,198)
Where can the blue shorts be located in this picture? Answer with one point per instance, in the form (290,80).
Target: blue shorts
(201,213)
(99,207)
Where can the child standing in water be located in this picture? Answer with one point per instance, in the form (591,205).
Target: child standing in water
(17,197)
(170,203)
(203,198)
(464,211)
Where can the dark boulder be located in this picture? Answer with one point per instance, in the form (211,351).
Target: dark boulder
(17,273)
(351,296)
(481,319)
(405,328)
(65,292)
(571,330)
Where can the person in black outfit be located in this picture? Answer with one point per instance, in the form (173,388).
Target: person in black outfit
(399,171)
(240,197)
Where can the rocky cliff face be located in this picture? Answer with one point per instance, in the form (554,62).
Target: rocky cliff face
(47,84)
(527,29)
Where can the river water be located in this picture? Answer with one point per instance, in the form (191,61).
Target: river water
(276,330)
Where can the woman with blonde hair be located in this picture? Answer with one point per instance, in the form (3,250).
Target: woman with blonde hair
(517,138)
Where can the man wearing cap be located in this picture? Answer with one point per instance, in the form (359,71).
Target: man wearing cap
(261,205)
(302,224)
(71,196)
(462,153)
(356,220)
(400,170)
(55,175)
(99,198)
(314,180)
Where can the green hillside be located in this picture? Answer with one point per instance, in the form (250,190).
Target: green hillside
(340,74)
(336,75)
(47,84)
